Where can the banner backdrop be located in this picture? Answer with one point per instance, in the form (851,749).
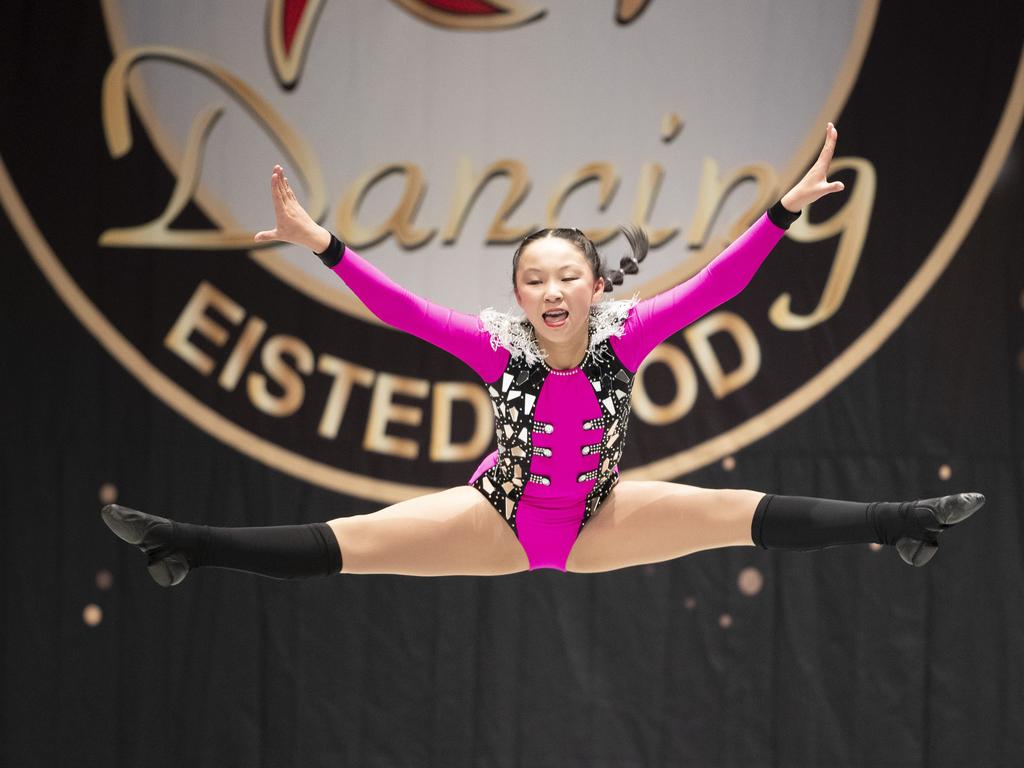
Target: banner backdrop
(153,356)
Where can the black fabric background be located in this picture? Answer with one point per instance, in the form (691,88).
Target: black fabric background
(846,658)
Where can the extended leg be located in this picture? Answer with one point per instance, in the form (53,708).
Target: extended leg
(454,532)
(645,522)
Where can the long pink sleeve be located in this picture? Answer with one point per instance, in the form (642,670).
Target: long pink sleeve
(460,334)
(655,319)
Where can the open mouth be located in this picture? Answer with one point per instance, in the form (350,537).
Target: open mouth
(555,318)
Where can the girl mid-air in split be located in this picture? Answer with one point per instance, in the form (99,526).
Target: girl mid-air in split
(559,379)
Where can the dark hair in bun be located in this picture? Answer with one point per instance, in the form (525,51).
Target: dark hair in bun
(628,264)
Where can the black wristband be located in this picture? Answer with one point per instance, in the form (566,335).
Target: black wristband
(781,217)
(333,253)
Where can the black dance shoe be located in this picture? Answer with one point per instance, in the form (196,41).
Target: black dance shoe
(931,517)
(167,565)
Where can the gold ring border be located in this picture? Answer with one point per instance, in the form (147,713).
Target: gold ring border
(349,483)
(169,391)
(876,334)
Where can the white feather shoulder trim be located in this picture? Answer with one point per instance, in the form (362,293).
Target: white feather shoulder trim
(514,332)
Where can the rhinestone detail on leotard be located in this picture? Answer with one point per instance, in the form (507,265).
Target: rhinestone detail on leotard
(566,371)
(612,383)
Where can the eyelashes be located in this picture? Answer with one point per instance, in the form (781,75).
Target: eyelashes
(564,280)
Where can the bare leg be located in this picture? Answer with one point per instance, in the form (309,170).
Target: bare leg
(451,533)
(651,521)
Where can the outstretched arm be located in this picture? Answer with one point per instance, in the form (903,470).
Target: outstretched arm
(655,319)
(460,334)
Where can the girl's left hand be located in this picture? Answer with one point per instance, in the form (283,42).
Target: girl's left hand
(815,184)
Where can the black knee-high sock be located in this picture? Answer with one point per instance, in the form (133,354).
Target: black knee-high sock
(799,522)
(277,551)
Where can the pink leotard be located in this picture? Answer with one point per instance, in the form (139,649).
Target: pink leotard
(560,433)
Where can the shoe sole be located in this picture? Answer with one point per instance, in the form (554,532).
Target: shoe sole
(169,571)
(916,552)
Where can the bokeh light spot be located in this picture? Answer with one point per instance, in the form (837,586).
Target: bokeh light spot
(108,493)
(92,615)
(750,581)
(104,579)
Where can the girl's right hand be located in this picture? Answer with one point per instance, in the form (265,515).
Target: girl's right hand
(292,224)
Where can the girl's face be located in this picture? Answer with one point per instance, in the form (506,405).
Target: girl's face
(555,288)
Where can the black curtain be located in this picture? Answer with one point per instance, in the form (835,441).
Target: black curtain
(845,657)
